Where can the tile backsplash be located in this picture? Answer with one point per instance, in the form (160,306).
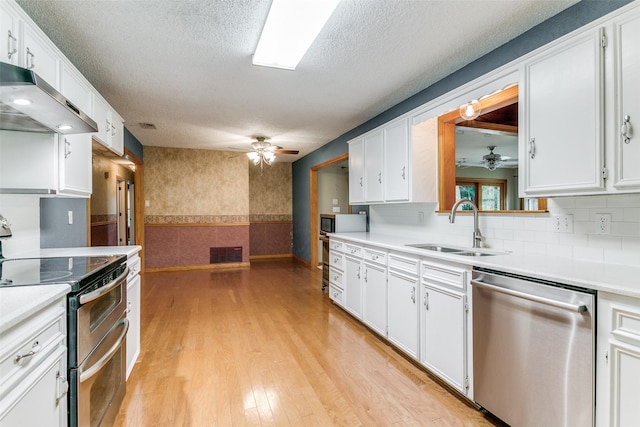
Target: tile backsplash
(528,233)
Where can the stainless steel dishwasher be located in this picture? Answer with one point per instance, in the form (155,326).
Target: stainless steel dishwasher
(533,350)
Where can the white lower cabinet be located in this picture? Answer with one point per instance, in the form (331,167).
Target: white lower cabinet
(33,369)
(618,361)
(402,329)
(353,285)
(444,323)
(133,312)
(443,334)
(374,310)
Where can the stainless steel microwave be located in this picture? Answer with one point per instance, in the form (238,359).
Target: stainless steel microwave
(342,223)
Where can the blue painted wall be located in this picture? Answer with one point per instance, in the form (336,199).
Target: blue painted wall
(132,144)
(573,18)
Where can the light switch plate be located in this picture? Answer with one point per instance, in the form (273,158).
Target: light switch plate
(563,223)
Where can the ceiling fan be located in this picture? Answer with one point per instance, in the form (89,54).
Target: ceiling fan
(265,153)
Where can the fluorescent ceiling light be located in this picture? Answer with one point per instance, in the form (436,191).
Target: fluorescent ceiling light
(291,27)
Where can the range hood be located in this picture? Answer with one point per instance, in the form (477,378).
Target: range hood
(40,108)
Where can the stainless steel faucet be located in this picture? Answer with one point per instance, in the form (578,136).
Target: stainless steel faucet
(477,236)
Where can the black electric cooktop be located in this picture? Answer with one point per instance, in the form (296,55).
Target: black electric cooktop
(78,271)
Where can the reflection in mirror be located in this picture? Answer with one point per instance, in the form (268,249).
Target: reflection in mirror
(479,158)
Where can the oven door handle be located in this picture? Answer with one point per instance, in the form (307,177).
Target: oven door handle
(85,375)
(103,290)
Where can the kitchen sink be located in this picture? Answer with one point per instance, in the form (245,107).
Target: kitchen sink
(453,250)
(437,248)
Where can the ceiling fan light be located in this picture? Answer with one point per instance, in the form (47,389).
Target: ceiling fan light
(492,161)
(269,157)
(470,110)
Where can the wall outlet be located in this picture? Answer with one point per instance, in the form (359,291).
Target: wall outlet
(603,223)
(336,209)
(563,223)
(335,201)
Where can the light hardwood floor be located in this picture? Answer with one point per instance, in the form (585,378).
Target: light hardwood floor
(264,346)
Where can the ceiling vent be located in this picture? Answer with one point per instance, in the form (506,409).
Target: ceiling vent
(147,126)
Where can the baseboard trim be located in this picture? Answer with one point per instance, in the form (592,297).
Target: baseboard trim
(229,265)
(269,257)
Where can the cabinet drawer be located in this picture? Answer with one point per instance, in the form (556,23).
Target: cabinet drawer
(336,294)
(374,256)
(625,319)
(446,275)
(336,245)
(403,263)
(353,250)
(134,266)
(335,278)
(24,347)
(336,259)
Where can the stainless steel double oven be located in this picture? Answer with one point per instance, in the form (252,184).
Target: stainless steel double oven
(96,328)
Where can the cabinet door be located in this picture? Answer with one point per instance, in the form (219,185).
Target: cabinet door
(356,171)
(39,55)
(353,286)
(396,156)
(373,177)
(133,315)
(101,113)
(625,370)
(563,141)
(117,134)
(8,35)
(374,310)
(75,164)
(75,88)
(41,397)
(402,328)
(444,334)
(627,141)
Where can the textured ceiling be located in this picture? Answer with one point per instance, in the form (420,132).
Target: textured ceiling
(185,66)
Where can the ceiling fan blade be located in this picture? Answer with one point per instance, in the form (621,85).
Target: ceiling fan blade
(281,151)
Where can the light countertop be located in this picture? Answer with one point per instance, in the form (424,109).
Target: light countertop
(619,279)
(83,251)
(17,304)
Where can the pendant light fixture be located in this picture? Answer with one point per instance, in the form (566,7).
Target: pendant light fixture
(470,110)
(492,161)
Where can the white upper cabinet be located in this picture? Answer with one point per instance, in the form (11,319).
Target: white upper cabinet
(389,165)
(74,159)
(356,171)
(396,155)
(373,168)
(626,48)
(110,127)
(9,33)
(39,55)
(563,142)
(75,88)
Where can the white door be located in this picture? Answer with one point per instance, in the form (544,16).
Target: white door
(373,169)
(403,312)
(374,310)
(443,334)
(396,155)
(353,286)
(563,142)
(628,121)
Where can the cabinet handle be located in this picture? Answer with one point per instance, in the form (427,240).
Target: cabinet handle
(380,177)
(404,175)
(532,148)
(626,129)
(113,130)
(67,148)
(365,274)
(413,294)
(425,300)
(35,348)
(359,273)
(33,62)
(129,307)
(360,181)
(12,42)
(63,387)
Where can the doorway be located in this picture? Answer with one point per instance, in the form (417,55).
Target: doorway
(124,209)
(314,214)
